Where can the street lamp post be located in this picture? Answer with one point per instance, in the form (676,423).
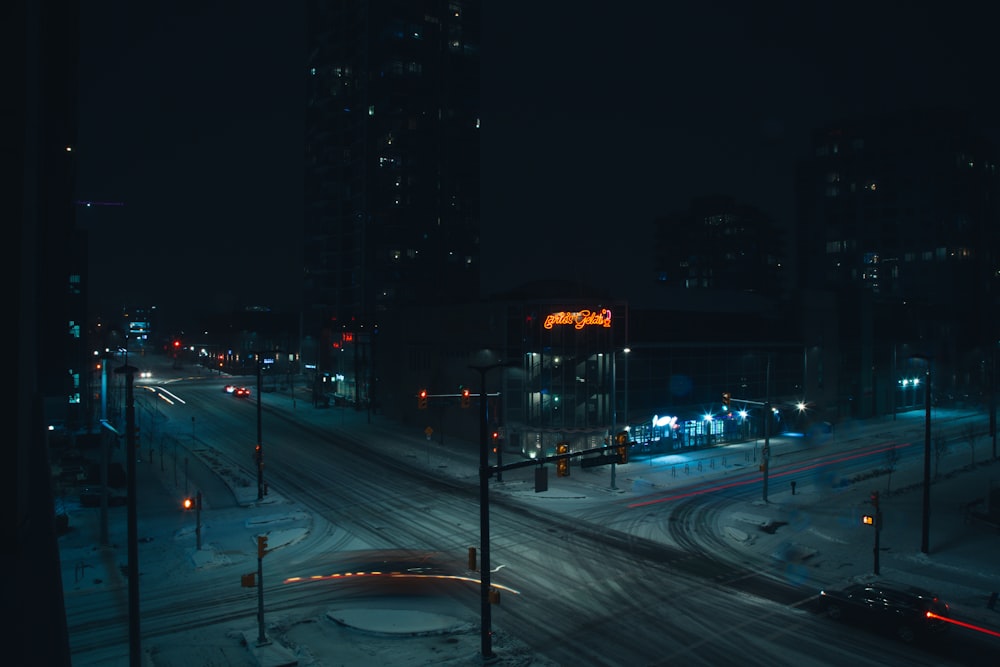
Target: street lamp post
(926,519)
(486,620)
(132,517)
(925,532)
(260,442)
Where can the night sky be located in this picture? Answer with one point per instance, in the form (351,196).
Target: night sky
(596,120)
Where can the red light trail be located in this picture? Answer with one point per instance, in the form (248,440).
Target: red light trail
(879,449)
(970,626)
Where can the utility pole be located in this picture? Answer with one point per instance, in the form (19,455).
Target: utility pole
(486,619)
(260,442)
(135,653)
(878,530)
(261,552)
(925,533)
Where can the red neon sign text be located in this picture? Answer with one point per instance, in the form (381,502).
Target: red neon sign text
(579,319)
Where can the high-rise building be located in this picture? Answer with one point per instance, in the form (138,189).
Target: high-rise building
(719,244)
(897,219)
(392,170)
(904,207)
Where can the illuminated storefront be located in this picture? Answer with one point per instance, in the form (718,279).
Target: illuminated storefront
(568,389)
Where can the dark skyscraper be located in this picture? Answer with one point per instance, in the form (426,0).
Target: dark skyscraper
(392,166)
(897,217)
(901,206)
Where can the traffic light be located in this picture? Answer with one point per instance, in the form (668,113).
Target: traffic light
(465,398)
(875,500)
(422,400)
(562,465)
(188,503)
(726,399)
(867,519)
(495,439)
(261,545)
(257,455)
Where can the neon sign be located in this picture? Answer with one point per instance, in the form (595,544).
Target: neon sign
(579,319)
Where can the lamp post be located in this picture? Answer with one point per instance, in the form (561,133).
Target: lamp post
(132,517)
(260,442)
(925,533)
(486,620)
(926,520)
(766,411)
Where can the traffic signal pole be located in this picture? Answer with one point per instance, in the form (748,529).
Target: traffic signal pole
(261,551)
(260,441)
(486,613)
(135,650)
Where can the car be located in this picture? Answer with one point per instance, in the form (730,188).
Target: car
(242,392)
(229,388)
(902,610)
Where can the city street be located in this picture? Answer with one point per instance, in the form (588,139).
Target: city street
(681,560)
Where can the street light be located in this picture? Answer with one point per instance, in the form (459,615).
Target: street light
(484,511)
(925,524)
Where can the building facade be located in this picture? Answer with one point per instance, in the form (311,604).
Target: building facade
(392,172)
(579,370)
(898,218)
(719,243)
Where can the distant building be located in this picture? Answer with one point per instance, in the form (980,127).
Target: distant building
(392,172)
(897,216)
(580,369)
(719,244)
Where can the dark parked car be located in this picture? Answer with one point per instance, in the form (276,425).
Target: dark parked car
(896,608)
